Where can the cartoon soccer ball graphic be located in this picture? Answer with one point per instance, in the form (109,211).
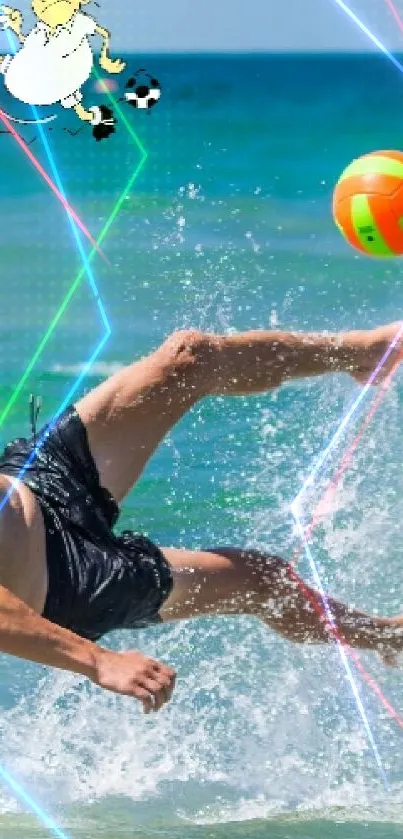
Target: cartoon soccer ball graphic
(142,90)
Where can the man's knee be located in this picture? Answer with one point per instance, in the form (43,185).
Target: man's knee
(191,356)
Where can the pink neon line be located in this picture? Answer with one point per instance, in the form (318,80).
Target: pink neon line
(395,14)
(347,457)
(50,183)
(372,411)
(341,470)
(336,480)
(372,684)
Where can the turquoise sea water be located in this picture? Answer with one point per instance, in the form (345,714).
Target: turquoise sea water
(227,227)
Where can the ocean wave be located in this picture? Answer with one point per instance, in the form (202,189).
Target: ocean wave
(99,368)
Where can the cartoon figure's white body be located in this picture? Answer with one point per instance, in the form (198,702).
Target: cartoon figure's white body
(55,60)
(52,67)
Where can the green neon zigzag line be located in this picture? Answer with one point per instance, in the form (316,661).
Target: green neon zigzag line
(76,282)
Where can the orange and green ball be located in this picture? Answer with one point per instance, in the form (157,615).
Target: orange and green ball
(368,203)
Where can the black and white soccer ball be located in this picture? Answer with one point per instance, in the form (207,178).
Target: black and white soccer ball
(142,90)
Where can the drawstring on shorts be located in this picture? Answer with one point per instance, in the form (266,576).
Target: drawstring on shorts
(35,405)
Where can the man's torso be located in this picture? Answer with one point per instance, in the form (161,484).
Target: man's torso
(49,67)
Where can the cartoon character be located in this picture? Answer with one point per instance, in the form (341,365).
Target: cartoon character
(56,59)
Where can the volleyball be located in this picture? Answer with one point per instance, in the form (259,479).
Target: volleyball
(368,203)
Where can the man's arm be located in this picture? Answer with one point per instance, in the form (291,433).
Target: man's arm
(108,64)
(25,634)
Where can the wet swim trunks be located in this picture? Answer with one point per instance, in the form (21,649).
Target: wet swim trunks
(98,581)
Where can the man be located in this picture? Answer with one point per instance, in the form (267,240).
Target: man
(55,60)
(65,577)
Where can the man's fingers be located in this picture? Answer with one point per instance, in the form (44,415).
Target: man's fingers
(163,669)
(166,677)
(13,15)
(144,697)
(169,688)
(158,692)
(133,674)
(151,692)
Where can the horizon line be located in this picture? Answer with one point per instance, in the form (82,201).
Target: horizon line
(258,51)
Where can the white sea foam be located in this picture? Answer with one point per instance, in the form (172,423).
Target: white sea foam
(98,368)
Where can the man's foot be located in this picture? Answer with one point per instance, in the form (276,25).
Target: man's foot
(366,350)
(103,122)
(390,644)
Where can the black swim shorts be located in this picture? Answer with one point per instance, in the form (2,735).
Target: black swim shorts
(98,581)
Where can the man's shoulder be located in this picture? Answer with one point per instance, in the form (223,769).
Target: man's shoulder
(86,23)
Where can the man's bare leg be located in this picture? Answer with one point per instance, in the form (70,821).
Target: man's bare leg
(125,418)
(83,114)
(236,581)
(128,415)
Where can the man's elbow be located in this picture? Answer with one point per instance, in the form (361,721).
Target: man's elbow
(102,32)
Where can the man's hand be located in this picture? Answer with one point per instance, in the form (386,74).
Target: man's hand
(11,19)
(133,674)
(26,634)
(108,64)
(369,347)
(111,65)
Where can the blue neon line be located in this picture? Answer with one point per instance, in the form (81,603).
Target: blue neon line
(52,423)
(13,784)
(369,34)
(363,392)
(33,805)
(346,663)
(296,503)
(72,223)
